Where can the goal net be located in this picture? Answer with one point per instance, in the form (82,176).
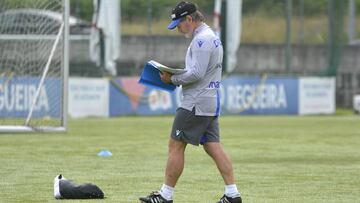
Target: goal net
(33,65)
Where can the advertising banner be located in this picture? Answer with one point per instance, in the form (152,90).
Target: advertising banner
(259,95)
(316,95)
(239,95)
(88,97)
(127,97)
(356,104)
(17,95)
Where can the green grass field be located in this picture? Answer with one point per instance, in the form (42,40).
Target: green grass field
(276,159)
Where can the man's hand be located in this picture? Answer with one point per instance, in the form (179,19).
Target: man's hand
(165,77)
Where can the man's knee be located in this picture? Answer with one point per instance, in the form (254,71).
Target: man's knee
(176,146)
(213,148)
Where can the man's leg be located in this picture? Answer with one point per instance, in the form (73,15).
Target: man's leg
(174,168)
(175,162)
(223,162)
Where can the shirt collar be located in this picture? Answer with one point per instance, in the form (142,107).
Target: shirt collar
(200,28)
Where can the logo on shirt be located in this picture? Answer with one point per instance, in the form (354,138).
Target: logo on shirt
(217,42)
(178,132)
(200,43)
(214,84)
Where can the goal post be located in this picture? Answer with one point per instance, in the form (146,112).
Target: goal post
(34,65)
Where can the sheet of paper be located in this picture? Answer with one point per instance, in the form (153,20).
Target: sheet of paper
(162,67)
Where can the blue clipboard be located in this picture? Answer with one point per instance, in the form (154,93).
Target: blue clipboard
(151,77)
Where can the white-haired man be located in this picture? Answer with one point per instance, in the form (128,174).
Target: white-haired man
(196,120)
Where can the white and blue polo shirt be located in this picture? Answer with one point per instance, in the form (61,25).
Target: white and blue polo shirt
(201,82)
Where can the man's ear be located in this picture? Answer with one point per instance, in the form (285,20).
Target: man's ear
(190,18)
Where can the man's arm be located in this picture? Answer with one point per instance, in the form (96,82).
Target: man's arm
(196,71)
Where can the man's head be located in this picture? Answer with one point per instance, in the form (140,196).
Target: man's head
(186,17)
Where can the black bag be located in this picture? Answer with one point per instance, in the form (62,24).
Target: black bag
(67,189)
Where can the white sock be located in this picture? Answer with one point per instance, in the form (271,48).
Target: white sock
(231,191)
(166,192)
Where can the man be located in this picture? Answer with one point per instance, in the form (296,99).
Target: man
(196,121)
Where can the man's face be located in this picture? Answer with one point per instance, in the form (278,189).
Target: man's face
(185,27)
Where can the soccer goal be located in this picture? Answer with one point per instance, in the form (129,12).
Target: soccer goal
(33,65)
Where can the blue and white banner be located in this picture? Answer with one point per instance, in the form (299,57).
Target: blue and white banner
(125,96)
(255,95)
(17,94)
(239,95)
